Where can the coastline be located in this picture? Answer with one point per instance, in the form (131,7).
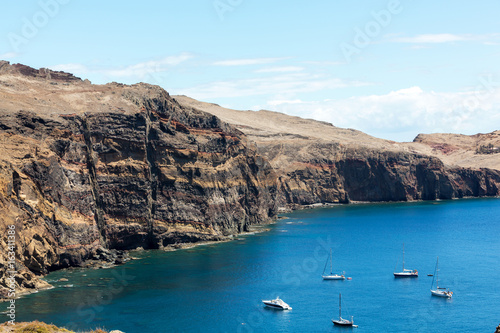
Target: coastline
(128,256)
(201,255)
(125,255)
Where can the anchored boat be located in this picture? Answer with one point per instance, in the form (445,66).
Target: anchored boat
(341,321)
(405,272)
(277,303)
(439,291)
(331,276)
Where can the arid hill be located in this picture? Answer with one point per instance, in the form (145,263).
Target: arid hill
(467,151)
(317,162)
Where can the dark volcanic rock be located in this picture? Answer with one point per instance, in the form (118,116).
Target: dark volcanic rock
(130,169)
(320,163)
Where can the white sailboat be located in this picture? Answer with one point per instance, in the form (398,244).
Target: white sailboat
(331,276)
(341,321)
(439,291)
(405,272)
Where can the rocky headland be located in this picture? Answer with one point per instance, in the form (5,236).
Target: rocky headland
(317,162)
(87,168)
(89,171)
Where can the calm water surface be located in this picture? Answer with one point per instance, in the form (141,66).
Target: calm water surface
(219,288)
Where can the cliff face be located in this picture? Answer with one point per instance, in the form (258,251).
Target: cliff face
(320,163)
(399,176)
(86,167)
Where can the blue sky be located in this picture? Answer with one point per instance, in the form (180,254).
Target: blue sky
(391,68)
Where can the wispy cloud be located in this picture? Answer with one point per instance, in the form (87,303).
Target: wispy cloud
(290,83)
(280,69)
(153,66)
(139,71)
(281,102)
(443,38)
(9,55)
(325,63)
(71,68)
(246,62)
(430,38)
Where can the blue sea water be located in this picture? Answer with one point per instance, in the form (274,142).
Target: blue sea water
(219,287)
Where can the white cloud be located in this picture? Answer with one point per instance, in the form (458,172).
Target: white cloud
(280,102)
(78,69)
(402,114)
(444,38)
(246,62)
(283,69)
(137,72)
(430,38)
(290,83)
(326,63)
(8,55)
(143,69)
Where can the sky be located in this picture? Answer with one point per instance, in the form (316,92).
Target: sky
(391,68)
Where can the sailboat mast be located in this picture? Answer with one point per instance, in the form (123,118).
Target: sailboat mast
(340,306)
(437,273)
(403,257)
(331,265)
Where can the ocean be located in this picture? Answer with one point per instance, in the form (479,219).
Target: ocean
(220,287)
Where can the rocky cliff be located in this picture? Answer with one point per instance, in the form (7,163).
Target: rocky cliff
(87,171)
(317,162)
(85,168)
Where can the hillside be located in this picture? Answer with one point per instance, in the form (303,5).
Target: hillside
(318,162)
(85,168)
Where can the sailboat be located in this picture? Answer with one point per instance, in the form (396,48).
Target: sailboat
(331,276)
(439,291)
(405,272)
(341,321)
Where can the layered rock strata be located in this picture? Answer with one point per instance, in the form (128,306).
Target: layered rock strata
(84,168)
(317,162)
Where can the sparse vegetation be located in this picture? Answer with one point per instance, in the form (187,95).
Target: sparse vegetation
(487,149)
(38,327)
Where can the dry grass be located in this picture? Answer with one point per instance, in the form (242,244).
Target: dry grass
(38,327)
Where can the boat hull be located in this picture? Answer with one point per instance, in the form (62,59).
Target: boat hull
(405,275)
(277,306)
(342,322)
(441,293)
(333,277)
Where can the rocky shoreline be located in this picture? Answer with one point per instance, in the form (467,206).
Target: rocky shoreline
(37,326)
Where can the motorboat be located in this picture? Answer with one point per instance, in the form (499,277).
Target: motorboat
(277,303)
